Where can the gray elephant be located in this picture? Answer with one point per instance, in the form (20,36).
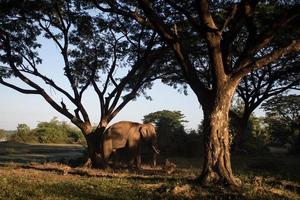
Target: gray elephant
(132,136)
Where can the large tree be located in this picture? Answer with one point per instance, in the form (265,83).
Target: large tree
(214,28)
(106,53)
(276,78)
(283,118)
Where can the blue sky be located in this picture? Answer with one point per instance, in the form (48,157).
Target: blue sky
(16,108)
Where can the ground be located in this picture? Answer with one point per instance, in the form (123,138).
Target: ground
(36,172)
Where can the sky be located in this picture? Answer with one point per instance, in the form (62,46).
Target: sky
(17,108)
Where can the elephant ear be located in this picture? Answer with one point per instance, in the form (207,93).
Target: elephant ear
(145,131)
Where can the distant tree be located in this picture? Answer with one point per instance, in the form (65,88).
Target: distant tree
(283,118)
(194,144)
(23,128)
(173,119)
(2,134)
(24,134)
(278,77)
(170,131)
(56,131)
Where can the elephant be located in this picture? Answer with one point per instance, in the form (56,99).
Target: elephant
(131,136)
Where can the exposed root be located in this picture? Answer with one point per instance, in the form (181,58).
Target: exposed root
(212,178)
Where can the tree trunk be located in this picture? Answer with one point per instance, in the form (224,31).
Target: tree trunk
(241,136)
(94,149)
(217,163)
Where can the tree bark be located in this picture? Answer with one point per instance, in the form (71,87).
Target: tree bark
(242,132)
(94,150)
(217,163)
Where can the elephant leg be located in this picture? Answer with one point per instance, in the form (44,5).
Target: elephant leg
(131,161)
(138,161)
(131,157)
(138,157)
(114,158)
(134,161)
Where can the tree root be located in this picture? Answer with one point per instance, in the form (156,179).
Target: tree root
(213,178)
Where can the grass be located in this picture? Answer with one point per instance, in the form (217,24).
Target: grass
(264,177)
(26,153)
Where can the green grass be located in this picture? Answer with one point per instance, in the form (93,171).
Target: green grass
(264,177)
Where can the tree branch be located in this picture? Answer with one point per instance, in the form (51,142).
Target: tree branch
(127,13)
(294,46)
(38,89)
(24,91)
(264,38)
(164,31)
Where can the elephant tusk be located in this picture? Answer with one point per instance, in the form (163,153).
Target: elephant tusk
(155,150)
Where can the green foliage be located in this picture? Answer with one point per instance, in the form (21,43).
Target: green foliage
(279,127)
(283,119)
(256,136)
(172,138)
(24,134)
(173,119)
(259,137)
(49,132)
(56,132)
(2,134)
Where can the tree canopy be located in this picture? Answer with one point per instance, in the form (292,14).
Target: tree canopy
(107,52)
(283,117)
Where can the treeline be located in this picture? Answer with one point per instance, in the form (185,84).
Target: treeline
(279,127)
(173,139)
(53,131)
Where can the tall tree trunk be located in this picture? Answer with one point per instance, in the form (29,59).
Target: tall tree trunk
(94,149)
(94,139)
(241,136)
(217,163)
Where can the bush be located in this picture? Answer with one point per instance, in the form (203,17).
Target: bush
(2,134)
(49,132)
(24,134)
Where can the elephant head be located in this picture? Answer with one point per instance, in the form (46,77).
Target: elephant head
(148,134)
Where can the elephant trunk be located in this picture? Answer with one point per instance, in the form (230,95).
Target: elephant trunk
(155,149)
